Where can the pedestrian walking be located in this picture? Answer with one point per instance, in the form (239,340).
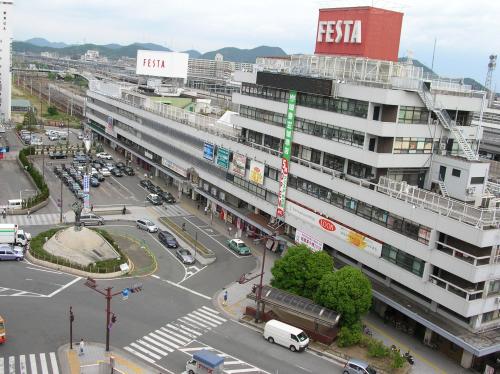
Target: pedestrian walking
(124,210)
(206,210)
(225,298)
(198,206)
(91,207)
(29,214)
(81,348)
(4,213)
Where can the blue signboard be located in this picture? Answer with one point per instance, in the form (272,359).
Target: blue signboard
(208,151)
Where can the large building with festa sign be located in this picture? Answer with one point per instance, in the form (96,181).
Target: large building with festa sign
(347,151)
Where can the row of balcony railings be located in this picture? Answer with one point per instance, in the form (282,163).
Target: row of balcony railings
(464,255)
(482,218)
(467,294)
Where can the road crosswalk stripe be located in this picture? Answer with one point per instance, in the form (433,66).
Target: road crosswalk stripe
(202,315)
(174,337)
(137,346)
(163,346)
(192,349)
(192,334)
(194,331)
(152,347)
(243,370)
(53,361)
(43,363)
(22,364)
(195,322)
(155,336)
(191,325)
(34,370)
(204,321)
(236,362)
(138,354)
(210,309)
(172,344)
(12,365)
(1,365)
(207,313)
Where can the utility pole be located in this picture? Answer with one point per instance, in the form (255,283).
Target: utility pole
(91,283)
(61,201)
(71,319)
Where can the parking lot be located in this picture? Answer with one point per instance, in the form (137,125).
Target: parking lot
(13,182)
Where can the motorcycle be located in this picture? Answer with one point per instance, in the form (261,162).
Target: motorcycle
(409,358)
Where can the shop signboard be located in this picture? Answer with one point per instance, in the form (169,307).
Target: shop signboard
(238,164)
(287,151)
(148,155)
(350,236)
(256,174)
(86,190)
(174,167)
(208,151)
(303,238)
(223,157)
(162,64)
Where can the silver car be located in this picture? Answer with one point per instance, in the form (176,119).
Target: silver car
(88,219)
(8,252)
(185,256)
(145,224)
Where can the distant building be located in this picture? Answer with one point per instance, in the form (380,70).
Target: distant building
(21,105)
(48,54)
(5,59)
(91,55)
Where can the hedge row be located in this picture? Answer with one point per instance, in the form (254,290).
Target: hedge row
(43,189)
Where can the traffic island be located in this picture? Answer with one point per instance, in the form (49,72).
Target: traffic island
(85,252)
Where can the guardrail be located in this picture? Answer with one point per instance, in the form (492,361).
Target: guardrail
(468,295)
(462,255)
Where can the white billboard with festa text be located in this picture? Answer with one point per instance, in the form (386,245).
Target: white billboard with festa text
(162,64)
(352,237)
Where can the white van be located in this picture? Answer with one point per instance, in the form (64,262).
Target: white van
(286,335)
(15,204)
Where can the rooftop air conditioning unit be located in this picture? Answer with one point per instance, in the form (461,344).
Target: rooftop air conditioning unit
(497,300)
(470,190)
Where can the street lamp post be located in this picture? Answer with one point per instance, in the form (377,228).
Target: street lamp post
(71,319)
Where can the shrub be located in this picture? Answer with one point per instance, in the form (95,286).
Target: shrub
(397,360)
(52,111)
(349,335)
(43,189)
(376,348)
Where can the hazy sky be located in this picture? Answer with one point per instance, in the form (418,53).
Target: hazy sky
(467,31)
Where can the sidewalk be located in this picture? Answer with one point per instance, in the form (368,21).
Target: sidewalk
(95,356)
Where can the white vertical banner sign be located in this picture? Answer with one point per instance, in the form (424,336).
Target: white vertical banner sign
(86,191)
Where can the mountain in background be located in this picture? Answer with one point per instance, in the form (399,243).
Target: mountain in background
(113,50)
(244,55)
(41,42)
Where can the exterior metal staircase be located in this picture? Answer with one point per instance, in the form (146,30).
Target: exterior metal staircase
(443,189)
(445,120)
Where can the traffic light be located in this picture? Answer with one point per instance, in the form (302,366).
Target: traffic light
(113,318)
(71,314)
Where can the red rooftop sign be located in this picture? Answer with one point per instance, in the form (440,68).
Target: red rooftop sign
(359,31)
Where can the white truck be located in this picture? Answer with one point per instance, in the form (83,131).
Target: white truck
(11,234)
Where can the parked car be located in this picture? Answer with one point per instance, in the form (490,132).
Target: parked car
(104,156)
(167,239)
(58,170)
(57,155)
(80,136)
(80,158)
(151,188)
(354,366)
(145,183)
(94,182)
(239,247)
(146,224)
(105,172)
(154,199)
(128,170)
(79,194)
(98,176)
(8,252)
(120,165)
(74,187)
(185,256)
(167,197)
(158,190)
(88,219)
(116,172)
(53,137)
(96,165)
(286,335)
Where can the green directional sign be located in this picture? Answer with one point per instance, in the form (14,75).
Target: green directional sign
(223,157)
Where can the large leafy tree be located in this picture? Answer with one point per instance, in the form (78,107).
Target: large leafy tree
(347,291)
(29,120)
(301,270)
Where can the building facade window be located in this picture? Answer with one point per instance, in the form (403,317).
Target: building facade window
(350,107)
(413,115)
(320,129)
(403,259)
(477,180)
(413,145)
(456,173)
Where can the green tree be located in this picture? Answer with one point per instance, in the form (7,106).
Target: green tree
(29,121)
(52,111)
(52,76)
(301,270)
(347,291)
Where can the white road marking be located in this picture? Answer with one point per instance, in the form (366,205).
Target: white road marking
(137,346)
(203,315)
(47,271)
(183,340)
(155,276)
(1,365)
(64,287)
(168,342)
(210,309)
(12,365)
(192,334)
(43,362)
(163,346)
(152,347)
(22,364)
(245,370)
(204,321)
(189,290)
(152,334)
(207,313)
(53,362)
(33,364)
(145,358)
(196,322)
(236,362)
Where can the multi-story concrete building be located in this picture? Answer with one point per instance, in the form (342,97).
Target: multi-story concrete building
(380,177)
(6,8)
